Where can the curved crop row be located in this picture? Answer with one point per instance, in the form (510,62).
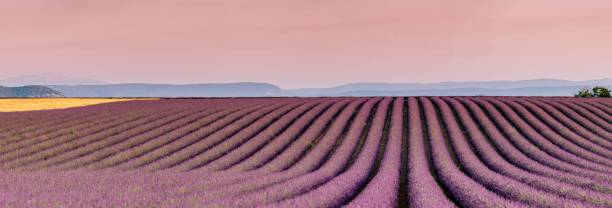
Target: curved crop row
(280,131)
(510,187)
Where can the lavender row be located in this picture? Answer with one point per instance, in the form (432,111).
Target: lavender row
(465,190)
(548,140)
(284,143)
(29,146)
(149,145)
(194,149)
(100,151)
(530,161)
(293,160)
(257,132)
(57,146)
(500,183)
(597,114)
(141,151)
(342,186)
(152,129)
(537,137)
(62,129)
(295,180)
(282,130)
(383,189)
(536,152)
(561,136)
(578,123)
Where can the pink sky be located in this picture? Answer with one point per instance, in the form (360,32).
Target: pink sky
(307,43)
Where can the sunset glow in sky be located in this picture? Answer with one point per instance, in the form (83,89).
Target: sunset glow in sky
(307,43)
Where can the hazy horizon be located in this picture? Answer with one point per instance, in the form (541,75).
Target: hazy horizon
(298,44)
(106,82)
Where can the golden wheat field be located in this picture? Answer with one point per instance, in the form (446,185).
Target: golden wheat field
(31,104)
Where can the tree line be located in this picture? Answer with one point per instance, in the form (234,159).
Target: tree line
(598,91)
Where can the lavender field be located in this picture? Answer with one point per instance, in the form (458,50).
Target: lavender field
(311,152)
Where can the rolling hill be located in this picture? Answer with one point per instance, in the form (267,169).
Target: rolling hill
(29,92)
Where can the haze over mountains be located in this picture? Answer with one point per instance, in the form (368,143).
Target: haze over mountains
(80,87)
(168,90)
(48,79)
(535,87)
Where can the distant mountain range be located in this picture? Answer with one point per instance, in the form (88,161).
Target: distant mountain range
(48,79)
(29,91)
(166,90)
(94,88)
(523,87)
(543,87)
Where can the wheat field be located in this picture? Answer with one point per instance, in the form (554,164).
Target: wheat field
(32,104)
